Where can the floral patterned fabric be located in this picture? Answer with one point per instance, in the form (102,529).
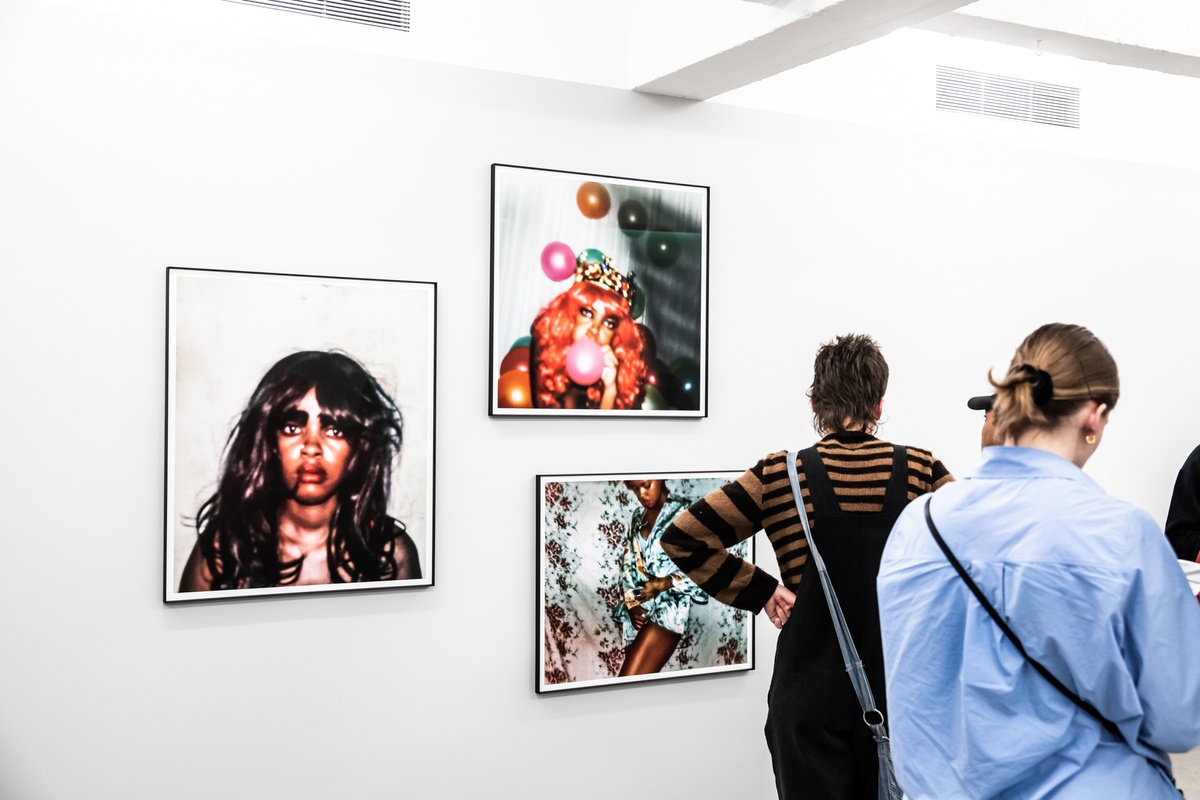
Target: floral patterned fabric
(585,528)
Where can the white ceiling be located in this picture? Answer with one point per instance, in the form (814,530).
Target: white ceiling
(775,37)
(862,61)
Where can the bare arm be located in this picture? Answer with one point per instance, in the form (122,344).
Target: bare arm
(408,563)
(196,575)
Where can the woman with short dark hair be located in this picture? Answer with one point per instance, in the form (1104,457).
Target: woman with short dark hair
(303,490)
(853,486)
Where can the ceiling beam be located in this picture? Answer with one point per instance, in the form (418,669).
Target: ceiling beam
(839,25)
(1063,43)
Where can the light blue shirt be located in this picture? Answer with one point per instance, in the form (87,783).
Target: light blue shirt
(1093,590)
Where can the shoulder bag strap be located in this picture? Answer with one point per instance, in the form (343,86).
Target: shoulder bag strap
(887,788)
(1108,724)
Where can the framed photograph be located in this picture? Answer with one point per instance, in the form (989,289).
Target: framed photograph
(299,441)
(612,607)
(599,295)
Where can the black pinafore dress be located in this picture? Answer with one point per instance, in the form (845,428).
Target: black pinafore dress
(820,747)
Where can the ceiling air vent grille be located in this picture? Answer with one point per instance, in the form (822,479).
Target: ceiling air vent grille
(1007,98)
(380,13)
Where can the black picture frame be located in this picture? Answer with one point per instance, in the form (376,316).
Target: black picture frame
(373,344)
(561,240)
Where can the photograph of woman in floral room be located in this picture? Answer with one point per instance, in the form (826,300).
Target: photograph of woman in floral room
(612,606)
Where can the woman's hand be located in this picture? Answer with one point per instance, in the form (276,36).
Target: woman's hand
(637,615)
(653,588)
(779,605)
(608,377)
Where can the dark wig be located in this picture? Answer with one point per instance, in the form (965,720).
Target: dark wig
(237,526)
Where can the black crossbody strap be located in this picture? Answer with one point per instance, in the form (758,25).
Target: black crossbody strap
(1108,724)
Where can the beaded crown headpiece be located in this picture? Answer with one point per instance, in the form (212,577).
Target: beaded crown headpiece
(602,273)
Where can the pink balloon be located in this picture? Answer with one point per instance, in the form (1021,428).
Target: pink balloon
(558,261)
(585,362)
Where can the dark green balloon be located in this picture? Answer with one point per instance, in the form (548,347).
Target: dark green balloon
(637,302)
(662,248)
(524,341)
(654,400)
(632,218)
(649,343)
(591,256)
(687,371)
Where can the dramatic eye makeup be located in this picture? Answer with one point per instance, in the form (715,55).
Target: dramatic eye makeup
(293,421)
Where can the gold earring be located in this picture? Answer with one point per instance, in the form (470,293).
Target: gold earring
(1090,438)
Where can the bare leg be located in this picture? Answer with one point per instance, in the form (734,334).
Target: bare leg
(650,651)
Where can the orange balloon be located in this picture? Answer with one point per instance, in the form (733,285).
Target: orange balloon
(513,390)
(517,358)
(593,200)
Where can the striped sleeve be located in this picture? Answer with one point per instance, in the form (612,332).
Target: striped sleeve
(859,469)
(698,538)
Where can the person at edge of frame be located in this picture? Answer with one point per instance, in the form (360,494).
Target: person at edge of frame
(1085,671)
(987,434)
(1183,516)
(854,486)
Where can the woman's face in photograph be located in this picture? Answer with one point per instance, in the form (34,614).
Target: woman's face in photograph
(595,322)
(313,451)
(649,493)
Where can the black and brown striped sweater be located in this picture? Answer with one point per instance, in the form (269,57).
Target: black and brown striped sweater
(859,466)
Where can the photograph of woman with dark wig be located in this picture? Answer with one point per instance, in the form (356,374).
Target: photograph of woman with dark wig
(303,489)
(595,307)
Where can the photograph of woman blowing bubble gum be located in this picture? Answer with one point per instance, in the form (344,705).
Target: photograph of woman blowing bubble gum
(599,302)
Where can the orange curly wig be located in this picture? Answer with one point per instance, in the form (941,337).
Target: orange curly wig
(553,334)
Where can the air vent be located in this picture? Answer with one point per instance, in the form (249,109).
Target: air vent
(380,13)
(1007,98)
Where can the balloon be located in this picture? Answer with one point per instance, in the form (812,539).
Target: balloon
(524,341)
(513,390)
(662,248)
(632,218)
(593,200)
(659,376)
(591,256)
(558,261)
(654,400)
(517,358)
(687,370)
(585,362)
(649,343)
(637,301)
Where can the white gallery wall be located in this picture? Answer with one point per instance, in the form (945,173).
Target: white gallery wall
(129,144)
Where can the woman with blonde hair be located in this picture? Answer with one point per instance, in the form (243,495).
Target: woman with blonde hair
(1039,637)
